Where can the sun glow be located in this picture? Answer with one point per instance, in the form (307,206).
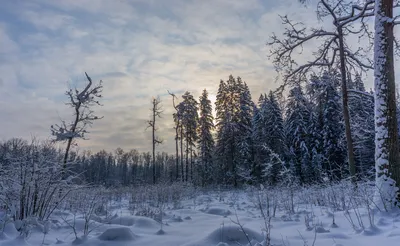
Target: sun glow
(212,98)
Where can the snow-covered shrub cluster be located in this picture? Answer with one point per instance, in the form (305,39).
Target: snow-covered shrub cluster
(30,179)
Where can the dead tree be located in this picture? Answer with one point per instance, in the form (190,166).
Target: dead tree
(332,51)
(81,102)
(156,111)
(177,121)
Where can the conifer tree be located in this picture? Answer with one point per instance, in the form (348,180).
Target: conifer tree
(189,120)
(333,129)
(205,140)
(297,133)
(244,125)
(228,111)
(361,107)
(274,138)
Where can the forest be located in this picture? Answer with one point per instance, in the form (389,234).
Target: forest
(319,152)
(300,137)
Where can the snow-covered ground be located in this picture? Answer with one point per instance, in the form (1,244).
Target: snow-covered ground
(211,219)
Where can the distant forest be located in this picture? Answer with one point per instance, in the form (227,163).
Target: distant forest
(267,139)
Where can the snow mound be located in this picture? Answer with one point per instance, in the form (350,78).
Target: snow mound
(3,236)
(79,240)
(229,236)
(144,222)
(320,229)
(383,222)
(371,231)
(118,234)
(10,230)
(176,218)
(137,221)
(218,211)
(394,233)
(19,241)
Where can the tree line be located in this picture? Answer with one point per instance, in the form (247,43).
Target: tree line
(301,135)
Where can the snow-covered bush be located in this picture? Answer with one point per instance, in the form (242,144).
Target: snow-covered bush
(83,204)
(30,179)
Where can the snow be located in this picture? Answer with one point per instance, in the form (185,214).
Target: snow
(211,220)
(118,234)
(228,235)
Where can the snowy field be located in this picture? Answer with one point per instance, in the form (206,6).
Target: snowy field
(316,216)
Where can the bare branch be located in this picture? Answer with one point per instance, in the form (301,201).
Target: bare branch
(366,10)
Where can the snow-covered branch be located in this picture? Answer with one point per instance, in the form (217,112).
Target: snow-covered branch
(84,116)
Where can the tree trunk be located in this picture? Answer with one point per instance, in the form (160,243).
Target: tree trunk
(187,157)
(177,150)
(183,176)
(386,133)
(346,115)
(191,163)
(154,141)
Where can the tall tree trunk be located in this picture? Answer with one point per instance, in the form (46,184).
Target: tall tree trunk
(187,156)
(182,169)
(386,133)
(177,151)
(191,163)
(154,141)
(346,115)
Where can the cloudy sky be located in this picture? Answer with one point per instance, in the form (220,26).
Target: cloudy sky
(139,48)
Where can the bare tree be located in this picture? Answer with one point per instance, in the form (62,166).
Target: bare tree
(156,111)
(81,102)
(177,121)
(332,51)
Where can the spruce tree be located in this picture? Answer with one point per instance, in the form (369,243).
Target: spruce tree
(244,125)
(205,140)
(228,127)
(258,138)
(297,134)
(361,107)
(333,129)
(274,134)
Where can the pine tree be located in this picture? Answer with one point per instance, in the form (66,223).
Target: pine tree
(361,106)
(244,125)
(297,133)
(274,134)
(205,140)
(258,137)
(189,119)
(333,129)
(228,111)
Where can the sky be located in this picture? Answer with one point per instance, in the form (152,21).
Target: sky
(139,49)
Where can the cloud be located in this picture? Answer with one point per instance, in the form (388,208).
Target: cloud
(139,48)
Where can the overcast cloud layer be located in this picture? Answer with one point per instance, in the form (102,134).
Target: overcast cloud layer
(139,48)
